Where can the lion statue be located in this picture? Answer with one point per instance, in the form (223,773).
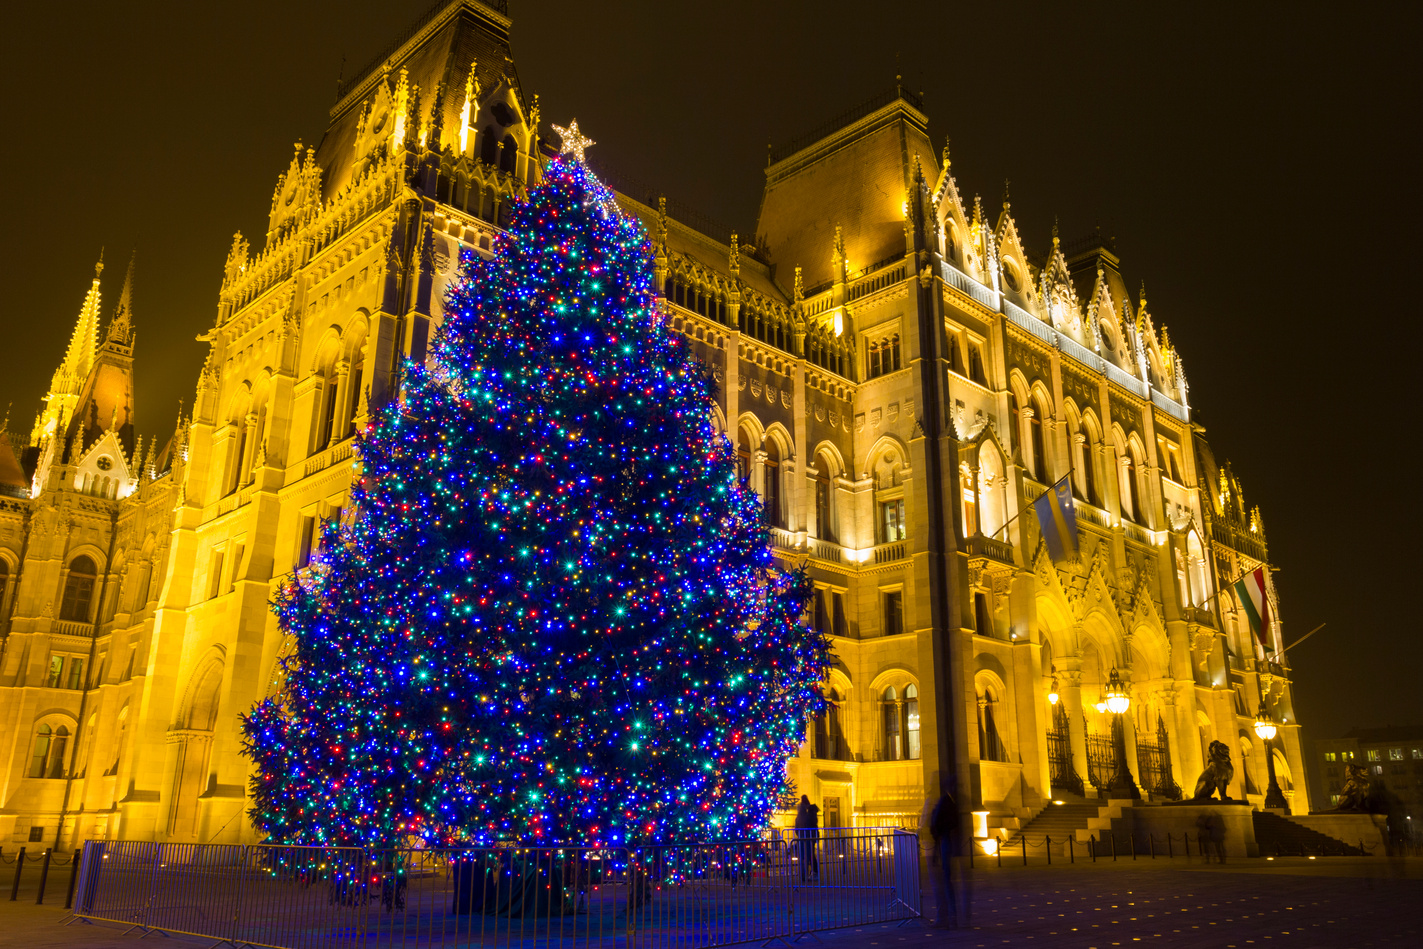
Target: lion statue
(1355,796)
(1217,775)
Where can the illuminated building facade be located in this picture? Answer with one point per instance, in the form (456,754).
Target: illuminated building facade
(901,379)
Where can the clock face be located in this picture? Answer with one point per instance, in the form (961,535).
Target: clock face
(104,463)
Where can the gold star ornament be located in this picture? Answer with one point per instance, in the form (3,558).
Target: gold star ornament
(574,141)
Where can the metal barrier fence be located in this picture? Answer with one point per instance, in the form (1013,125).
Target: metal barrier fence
(678,896)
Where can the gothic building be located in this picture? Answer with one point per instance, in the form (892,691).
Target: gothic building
(901,376)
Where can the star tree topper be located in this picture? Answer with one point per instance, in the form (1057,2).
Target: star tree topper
(574,141)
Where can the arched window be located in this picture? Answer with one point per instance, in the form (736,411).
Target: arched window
(1039,445)
(1015,408)
(1089,470)
(121,745)
(882,355)
(982,615)
(78,590)
(771,506)
(86,747)
(48,758)
(4,583)
(893,727)
(901,723)
(829,735)
(1283,776)
(824,500)
(743,455)
(990,745)
(1199,570)
(489,146)
(329,395)
(911,720)
(992,492)
(43,737)
(1247,779)
(1183,582)
(969,510)
(975,364)
(955,353)
(1126,484)
(508,154)
(354,384)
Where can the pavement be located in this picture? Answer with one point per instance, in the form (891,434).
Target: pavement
(1295,902)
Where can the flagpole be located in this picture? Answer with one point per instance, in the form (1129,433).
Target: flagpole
(1230,584)
(1028,505)
(1301,639)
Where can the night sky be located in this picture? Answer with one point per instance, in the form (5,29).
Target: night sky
(1258,168)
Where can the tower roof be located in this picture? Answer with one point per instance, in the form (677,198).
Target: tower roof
(855,172)
(105,401)
(73,370)
(439,48)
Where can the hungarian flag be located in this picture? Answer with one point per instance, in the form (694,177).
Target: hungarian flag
(1250,590)
(1057,517)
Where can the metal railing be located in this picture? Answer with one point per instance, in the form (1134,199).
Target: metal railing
(681,896)
(1104,846)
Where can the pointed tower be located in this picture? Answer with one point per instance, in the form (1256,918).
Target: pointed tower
(68,380)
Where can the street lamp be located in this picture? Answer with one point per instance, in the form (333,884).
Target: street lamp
(1117,702)
(1266,728)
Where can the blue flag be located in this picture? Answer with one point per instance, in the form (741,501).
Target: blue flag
(1057,518)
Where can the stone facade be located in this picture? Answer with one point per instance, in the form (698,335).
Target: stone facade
(901,379)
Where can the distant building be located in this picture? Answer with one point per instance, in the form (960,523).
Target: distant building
(1392,756)
(902,377)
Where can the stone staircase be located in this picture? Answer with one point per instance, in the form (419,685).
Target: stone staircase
(1280,836)
(1077,818)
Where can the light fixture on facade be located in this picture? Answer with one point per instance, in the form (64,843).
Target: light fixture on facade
(1117,699)
(1264,725)
(1052,695)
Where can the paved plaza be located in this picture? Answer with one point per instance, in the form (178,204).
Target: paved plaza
(1343,902)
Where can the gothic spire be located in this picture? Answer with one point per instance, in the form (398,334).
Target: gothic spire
(69,377)
(121,325)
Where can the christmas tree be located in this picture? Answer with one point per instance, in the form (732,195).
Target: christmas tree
(554,616)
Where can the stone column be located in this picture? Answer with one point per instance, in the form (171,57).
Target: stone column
(249,447)
(1069,683)
(341,418)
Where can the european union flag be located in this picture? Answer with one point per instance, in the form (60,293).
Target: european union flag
(1057,517)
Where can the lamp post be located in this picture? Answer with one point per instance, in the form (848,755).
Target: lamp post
(1266,728)
(1118,701)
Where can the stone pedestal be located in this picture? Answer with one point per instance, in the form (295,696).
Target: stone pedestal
(1158,820)
(1371,829)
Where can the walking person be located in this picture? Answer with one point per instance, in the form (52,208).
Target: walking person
(944,828)
(807,831)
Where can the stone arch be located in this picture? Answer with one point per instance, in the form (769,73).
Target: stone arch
(325,365)
(1150,653)
(193,731)
(990,695)
(51,736)
(785,441)
(80,584)
(895,696)
(718,420)
(880,453)
(828,449)
(777,457)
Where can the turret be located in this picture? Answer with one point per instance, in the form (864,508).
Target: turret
(68,380)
